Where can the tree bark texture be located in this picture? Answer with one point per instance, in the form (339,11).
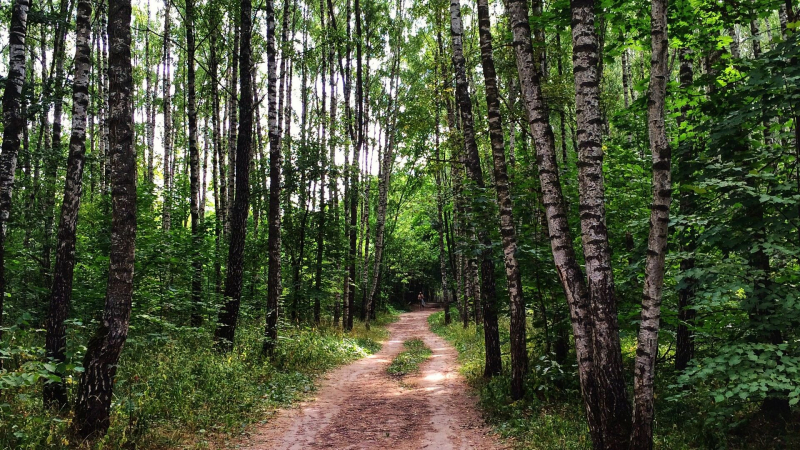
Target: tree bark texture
(275,161)
(613,402)
(232,121)
(13,127)
(55,394)
(194,170)
(569,272)
(166,218)
(229,315)
(474,172)
(52,156)
(102,354)
(519,354)
(647,349)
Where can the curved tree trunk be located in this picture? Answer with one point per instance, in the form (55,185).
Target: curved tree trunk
(102,354)
(475,173)
(647,350)
(567,267)
(519,354)
(55,394)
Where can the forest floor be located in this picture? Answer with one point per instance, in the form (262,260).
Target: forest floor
(361,406)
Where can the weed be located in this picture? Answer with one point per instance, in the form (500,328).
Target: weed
(409,360)
(173,389)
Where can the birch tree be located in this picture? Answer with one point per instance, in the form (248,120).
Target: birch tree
(55,393)
(93,403)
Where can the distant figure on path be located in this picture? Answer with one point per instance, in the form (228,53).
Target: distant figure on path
(421,299)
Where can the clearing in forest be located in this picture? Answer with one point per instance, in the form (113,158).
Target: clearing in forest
(361,406)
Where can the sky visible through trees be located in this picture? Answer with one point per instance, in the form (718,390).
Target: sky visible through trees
(603,194)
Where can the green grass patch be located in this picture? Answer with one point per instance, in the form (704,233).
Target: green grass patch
(408,361)
(174,390)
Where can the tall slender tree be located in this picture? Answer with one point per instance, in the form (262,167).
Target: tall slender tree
(194,171)
(613,397)
(475,173)
(647,349)
(166,168)
(275,160)
(102,354)
(55,393)
(383,191)
(229,315)
(13,127)
(519,353)
(569,272)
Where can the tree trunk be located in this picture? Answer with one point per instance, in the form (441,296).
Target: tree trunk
(217,161)
(232,138)
(564,256)
(194,171)
(53,155)
(473,169)
(613,401)
(13,125)
(626,78)
(383,199)
(150,95)
(55,394)
(166,218)
(229,315)
(102,353)
(438,172)
(275,160)
(204,171)
(647,349)
(684,346)
(519,354)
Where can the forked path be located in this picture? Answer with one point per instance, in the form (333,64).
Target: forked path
(360,406)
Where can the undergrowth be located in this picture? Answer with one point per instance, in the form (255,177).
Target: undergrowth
(173,389)
(408,361)
(551,415)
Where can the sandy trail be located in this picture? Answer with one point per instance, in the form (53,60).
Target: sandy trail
(360,406)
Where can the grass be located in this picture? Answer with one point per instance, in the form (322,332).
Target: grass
(174,390)
(551,415)
(409,360)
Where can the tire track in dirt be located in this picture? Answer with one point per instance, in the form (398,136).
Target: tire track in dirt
(360,406)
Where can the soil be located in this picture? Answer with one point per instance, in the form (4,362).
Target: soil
(360,406)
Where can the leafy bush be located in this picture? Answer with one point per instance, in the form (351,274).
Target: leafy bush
(551,415)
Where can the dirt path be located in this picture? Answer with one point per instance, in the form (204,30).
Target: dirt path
(360,406)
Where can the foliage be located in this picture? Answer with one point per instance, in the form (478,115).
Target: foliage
(175,389)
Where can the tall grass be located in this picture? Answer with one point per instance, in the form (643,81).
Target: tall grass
(551,414)
(173,389)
